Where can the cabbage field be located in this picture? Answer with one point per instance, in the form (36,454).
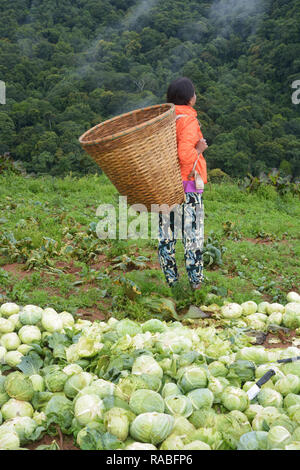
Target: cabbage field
(152,385)
(97,352)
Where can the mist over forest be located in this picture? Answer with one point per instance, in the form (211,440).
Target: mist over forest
(69,65)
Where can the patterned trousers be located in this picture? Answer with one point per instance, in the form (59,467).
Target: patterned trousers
(185,222)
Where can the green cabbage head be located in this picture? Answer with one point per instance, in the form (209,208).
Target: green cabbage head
(144,401)
(18,386)
(234,398)
(153,428)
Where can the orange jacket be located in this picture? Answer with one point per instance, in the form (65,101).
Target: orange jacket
(188,134)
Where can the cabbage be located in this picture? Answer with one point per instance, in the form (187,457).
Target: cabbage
(128,327)
(254,440)
(15,319)
(170,388)
(14,408)
(71,369)
(262,307)
(252,411)
(13,358)
(291,319)
(243,369)
(88,438)
(143,401)
(293,307)
(24,349)
(255,323)
(278,437)
(288,384)
(85,347)
(173,442)
(10,341)
(51,321)
(67,319)
(6,325)
(179,405)
(208,435)
(234,398)
(140,446)
(88,408)
(56,380)
(9,440)
(291,399)
(131,383)
(154,326)
(296,434)
(23,426)
(217,386)
(196,445)
(205,417)
(275,307)
(264,419)
(117,423)
(218,369)
(294,413)
(292,446)
(37,382)
(153,428)
(192,377)
(8,309)
(256,354)
(59,410)
(231,310)
(146,364)
(174,341)
(18,386)
(4,397)
(75,383)
(30,315)
(29,334)
(291,351)
(182,426)
(249,307)
(2,354)
(232,426)
(275,318)
(104,388)
(293,297)
(40,418)
(285,421)
(269,397)
(201,398)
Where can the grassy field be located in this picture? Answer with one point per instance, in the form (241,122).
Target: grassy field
(50,254)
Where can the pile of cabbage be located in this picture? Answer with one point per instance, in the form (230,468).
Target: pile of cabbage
(155,386)
(263,315)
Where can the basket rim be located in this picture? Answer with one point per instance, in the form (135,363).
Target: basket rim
(128,131)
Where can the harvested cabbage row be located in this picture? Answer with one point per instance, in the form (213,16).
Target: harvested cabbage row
(153,386)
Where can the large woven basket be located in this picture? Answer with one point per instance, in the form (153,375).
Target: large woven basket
(138,153)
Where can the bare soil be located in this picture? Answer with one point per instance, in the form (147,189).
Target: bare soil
(17,269)
(286,339)
(64,442)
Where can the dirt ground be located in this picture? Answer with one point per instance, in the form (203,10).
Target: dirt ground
(64,442)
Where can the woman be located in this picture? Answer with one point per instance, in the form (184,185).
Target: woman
(190,145)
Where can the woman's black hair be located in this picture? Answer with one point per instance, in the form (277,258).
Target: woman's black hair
(180,91)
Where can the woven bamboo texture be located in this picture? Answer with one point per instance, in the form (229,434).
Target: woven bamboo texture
(138,153)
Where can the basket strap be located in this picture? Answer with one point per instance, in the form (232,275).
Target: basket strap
(180,115)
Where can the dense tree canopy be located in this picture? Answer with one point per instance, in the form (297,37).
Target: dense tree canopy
(69,64)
